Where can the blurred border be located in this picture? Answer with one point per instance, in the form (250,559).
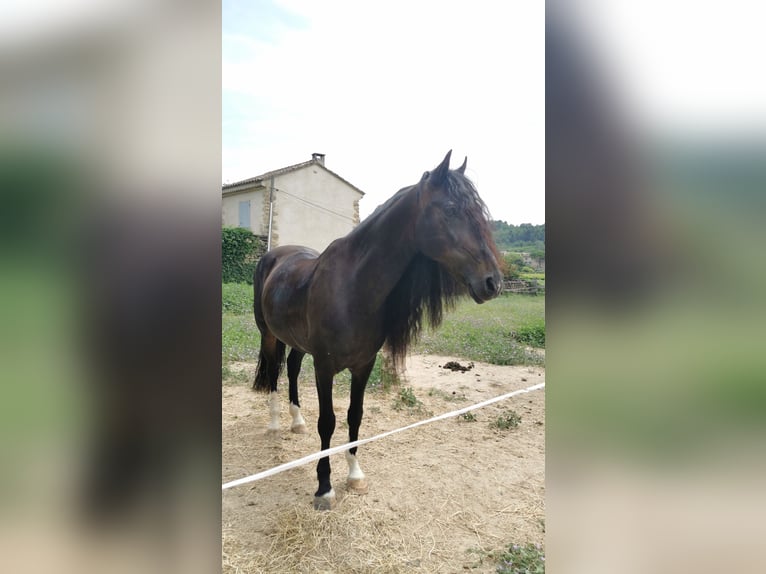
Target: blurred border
(656,389)
(110,297)
(110,289)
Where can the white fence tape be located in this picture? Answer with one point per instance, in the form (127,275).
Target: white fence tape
(345,447)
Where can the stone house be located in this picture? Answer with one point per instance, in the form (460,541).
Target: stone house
(302,204)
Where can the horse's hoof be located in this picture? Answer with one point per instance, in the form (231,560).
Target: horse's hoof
(325,502)
(357,485)
(299,429)
(272,432)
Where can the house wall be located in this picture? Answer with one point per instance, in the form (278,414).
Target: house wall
(230,210)
(312,207)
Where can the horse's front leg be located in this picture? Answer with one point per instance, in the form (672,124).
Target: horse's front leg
(324,498)
(357,481)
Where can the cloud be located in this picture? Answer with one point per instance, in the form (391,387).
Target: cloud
(385,92)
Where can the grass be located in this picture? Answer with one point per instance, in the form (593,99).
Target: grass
(454,396)
(515,559)
(497,332)
(237,298)
(230,376)
(380,379)
(527,559)
(240,339)
(406,400)
(507,420)
(532,334)
(488,332)
(529,276)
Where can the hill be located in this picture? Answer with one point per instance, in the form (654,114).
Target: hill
(525,237)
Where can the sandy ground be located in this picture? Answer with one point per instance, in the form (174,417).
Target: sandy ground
(442,497)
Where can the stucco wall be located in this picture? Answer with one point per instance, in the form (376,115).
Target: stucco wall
(311,207)
(230,210)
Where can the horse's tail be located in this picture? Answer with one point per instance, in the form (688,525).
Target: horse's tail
(269,366)
(271,358)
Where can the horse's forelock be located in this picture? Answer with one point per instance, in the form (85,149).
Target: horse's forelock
(464,193)
(462,190)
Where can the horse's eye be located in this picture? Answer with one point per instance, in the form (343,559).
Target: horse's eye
(451,209)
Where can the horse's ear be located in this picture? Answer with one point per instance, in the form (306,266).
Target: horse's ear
(440,173)
(461,169)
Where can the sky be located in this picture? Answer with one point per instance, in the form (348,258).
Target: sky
(385,90)
(682,66)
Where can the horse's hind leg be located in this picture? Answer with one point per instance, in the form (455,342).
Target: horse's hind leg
(270,362)
(274,406)
(356,481)
(294,360)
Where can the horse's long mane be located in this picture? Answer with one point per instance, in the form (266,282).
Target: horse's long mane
(427,289)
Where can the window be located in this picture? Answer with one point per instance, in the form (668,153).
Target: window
(244,214)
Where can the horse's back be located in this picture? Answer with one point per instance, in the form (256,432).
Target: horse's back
(281,283)
(290,250)
(290,255)
(286,252)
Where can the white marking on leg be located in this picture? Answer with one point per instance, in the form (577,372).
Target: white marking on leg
(326,501)
(354,472)
(299,423)
(274,411)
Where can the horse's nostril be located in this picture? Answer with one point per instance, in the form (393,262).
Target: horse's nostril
(491,287)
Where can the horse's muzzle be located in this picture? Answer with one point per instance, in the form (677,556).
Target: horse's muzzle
(491,285)
(488,288)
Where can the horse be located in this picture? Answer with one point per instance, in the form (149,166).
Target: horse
(428,245)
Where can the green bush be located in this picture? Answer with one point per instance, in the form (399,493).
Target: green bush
(240,251)
(507,420)
(511,265)
(527,559)
(532,334)
(406,399)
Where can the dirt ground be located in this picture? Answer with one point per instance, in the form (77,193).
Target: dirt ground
(442,497)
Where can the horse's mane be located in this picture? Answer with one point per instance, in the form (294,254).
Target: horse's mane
(421,295)
(426,288)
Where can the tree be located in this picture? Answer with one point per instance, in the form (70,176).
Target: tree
(511,265)
(518,237)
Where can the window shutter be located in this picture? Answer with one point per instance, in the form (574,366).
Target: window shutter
(244,214)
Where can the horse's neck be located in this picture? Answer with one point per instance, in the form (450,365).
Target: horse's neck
(384,249)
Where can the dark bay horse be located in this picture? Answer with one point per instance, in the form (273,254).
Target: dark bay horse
(427,245)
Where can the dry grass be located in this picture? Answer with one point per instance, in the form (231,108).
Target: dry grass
(359,537)
(442,497)
(355,536)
